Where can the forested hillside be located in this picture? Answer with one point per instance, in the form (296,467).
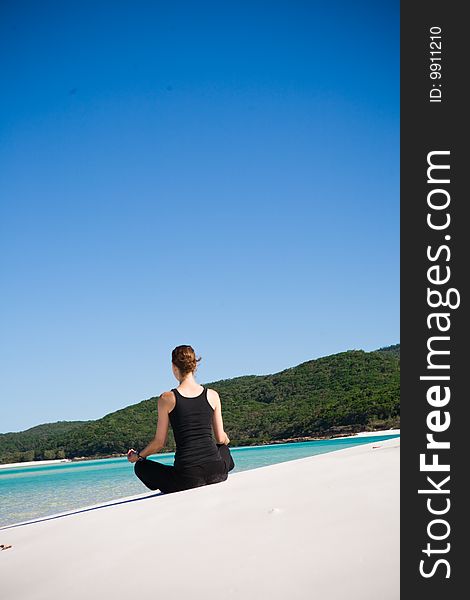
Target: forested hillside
(341,393)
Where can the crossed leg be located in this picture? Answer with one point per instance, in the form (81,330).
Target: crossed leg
(157,476)
(224,452)
(167,479)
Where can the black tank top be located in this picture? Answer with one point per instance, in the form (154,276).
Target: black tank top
(191,421)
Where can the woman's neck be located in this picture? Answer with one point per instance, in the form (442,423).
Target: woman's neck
(189,381)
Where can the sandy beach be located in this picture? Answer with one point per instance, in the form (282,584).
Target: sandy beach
(325,527)
(31,463)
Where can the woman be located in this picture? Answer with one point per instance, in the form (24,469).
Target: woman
(191,409)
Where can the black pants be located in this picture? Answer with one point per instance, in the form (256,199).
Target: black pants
(167,478)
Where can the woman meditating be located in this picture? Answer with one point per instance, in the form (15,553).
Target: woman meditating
(193,411)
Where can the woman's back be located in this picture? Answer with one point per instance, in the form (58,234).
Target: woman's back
(199,458)
(191,421)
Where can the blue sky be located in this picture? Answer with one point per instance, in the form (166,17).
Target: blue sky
(224,175)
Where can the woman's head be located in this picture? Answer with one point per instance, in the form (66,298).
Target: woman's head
(184,359)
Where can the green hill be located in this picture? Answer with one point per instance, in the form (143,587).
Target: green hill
(395,349)
(336,394)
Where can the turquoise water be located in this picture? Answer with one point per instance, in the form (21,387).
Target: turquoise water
(31,492)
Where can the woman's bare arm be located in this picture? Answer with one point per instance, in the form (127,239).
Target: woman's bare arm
(161,434)
(217,422)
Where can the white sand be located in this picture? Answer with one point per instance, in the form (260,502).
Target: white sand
(29,463)
(322,527)
(372,433)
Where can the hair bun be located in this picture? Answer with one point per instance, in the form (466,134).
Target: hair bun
(185,359)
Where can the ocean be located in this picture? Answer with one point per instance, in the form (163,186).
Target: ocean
(31,492)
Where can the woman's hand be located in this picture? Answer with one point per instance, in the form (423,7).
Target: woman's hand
(132,455)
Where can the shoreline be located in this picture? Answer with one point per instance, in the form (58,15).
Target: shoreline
(339,436)
(35,463)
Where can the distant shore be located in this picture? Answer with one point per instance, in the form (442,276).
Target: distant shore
(338,436)
(31,463)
